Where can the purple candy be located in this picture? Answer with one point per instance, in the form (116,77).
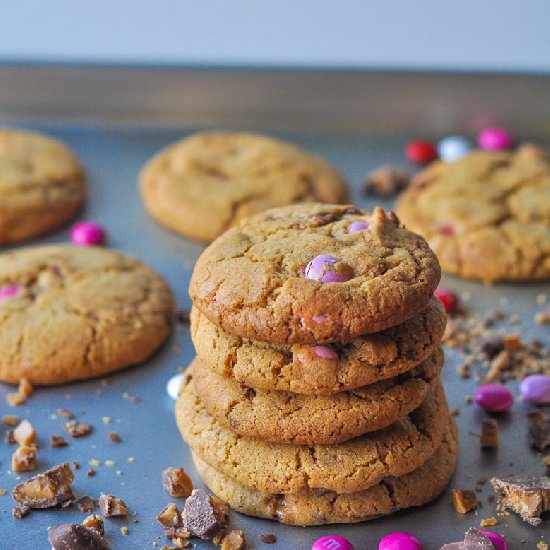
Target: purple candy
(332,542)
(87,234)
(9,290)
(399,541)
(536,388)
(357,226)
(327,269)
(494,397)
(325,352)
(320,318)
(494,139)
(499,542)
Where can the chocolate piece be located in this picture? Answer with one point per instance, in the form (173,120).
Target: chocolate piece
(65,413)
(71,536)
(183,316)
(539,430)
(46,490)
(234,540)
(24,459)
(176,482)
(527,496)
(489,438)
(24,434)
(492,347)
(57,441)
(86,504)
(114,437)
(464,501)
(112,507)
(385,181)
(95,522)
(9,438)
(204,516)
(473,540)
(77,429)
(268,538)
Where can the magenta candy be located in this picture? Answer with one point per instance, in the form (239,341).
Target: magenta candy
(325,352)
(536,388)
(494,397)
(357,226)
(399,541)
(320,318)
(494,139)
(327,269)
(499,542)
(87,234)
(9,290)
(332,542)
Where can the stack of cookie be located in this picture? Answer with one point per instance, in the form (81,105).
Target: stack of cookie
(315,397)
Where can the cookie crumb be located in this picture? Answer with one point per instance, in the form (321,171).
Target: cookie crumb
(65,413)
(234,540)
(15,399)
(114,437)
(57,441)
(124,530)
(488,522)
(10,419)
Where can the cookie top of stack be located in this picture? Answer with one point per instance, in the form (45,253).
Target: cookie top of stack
(487,215)
(314,274)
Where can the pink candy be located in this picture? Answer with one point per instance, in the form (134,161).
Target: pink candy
(332,542)
(494,397)
(87,234)
(328,269)
(357,226)
(9,290)
(536,388)
(320,318)
(499,542)
(494,139)
(325,352)
(399,541)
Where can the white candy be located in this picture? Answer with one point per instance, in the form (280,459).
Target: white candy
(453,148)
(173,386)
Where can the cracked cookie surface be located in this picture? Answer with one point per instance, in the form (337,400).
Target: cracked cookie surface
(205,183)
(251,281)
(487,216)
(297,368)
(42,185)
(386,497)
(280,468)
(78,313)
(283,417)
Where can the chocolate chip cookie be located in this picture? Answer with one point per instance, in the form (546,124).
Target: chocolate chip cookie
(205,183)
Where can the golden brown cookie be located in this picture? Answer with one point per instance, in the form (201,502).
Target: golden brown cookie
(205,183)
(305,274)
(487,215)
(42,185)
(71,313)
(301,368)
(279,468)
(283,417)
(319,508)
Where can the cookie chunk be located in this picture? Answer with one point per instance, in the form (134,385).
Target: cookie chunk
(298,275)
(302,368)
(487,215)
(204,184)
(283,417)
(319,508)
(78,313)
(42,185)
(279,468)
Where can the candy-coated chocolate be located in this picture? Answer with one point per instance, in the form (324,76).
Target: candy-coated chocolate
(9,290)
(495,139)
(87,234)
(173,386)
(332,542)
(328,269)
(399,541)
(320,318)
(536,388)
(453,148)
(499,542)
(357,226)
(421,152)
(448,298)
(325,352)
(494,397)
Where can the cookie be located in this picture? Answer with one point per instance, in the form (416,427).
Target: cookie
(320,508)
(283,417)
(42,185)
(204,184)
(487,215)
(299,368)
(302,274)
(279,468)
(74,313)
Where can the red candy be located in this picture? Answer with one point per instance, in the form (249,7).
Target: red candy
(421,152)
(448,298)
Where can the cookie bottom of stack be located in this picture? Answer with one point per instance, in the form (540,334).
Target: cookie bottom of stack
(386,497)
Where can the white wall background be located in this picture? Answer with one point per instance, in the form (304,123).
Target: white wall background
(510,35)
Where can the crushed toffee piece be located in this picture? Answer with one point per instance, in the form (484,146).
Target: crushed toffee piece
(539,430)
(9,438)
(24,434)
(77,429)
(527,496)
(464,500)
(72,536)
(24,459)
(20,511)
(112,506)
(172,522)
(65,413)
(114,437)
(489,438)
(86,504)
(95,521)
(176,482)
(57,441)
(10,419)
(204,516)
(268,538)
(234,540)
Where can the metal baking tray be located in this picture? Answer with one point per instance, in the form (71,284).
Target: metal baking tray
(113,153)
